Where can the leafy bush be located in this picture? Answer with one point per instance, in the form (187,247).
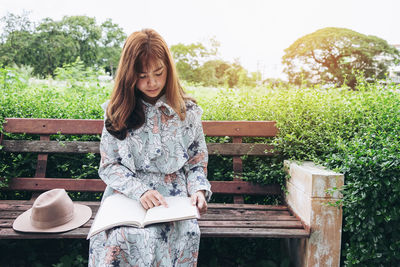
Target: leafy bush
(355,132)
(77,72)
(371,164)
(11,78)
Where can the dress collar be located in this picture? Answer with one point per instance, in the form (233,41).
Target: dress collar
(161,104)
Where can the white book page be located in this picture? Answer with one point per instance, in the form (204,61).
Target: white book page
(179,208)
(117,210)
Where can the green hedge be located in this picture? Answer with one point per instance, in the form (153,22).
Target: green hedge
(353,132)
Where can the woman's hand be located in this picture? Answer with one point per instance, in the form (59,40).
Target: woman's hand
(199,200)
(152,198)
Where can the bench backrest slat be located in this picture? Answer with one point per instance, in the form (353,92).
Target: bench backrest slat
(97,185)
(67,126)
(46,127)
(52,126)
(237,169)
(41,164)
(227,149)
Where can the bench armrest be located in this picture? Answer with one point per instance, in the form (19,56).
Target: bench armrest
(308,197)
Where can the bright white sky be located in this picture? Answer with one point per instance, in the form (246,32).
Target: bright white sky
(254,31)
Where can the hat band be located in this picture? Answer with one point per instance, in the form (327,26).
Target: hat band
(53,223)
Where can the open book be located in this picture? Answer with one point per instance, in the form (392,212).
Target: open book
(118,210)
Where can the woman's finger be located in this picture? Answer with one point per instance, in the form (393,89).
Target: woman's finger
(150,203)
(152,198)
(163,201)
(144,204)
(194,199)
(155,201)
(160,199)
(200,202)
(203,206)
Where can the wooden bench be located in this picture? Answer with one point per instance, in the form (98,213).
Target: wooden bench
(222,219)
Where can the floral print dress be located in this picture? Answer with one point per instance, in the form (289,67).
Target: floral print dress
(165,154)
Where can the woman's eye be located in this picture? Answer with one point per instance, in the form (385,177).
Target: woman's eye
(159,74)
(142,77)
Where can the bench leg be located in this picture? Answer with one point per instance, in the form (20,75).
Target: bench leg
(308,198)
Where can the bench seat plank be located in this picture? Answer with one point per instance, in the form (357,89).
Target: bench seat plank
(213,214)
(15,204)
(253,232)
(7,223)
(221,220)
(205,232)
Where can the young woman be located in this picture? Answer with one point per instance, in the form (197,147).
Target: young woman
(152,146)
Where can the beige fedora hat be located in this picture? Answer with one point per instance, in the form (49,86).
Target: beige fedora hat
(52,212)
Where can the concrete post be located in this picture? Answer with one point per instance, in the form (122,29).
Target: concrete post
(308,198)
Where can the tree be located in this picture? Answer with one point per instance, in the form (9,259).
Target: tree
(235,75)
(50,48)
(85,33)
(336,55)
(51,44)
(275,83)
(190,58)
(15,38)
(211,73)
(13,23)
(111,42)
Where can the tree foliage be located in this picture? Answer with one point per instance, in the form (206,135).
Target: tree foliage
(50,44)
(200,64)
(111,41)
(15,38)
(50,47)
(188,59)
(335,55)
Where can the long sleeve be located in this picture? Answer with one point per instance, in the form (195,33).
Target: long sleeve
(196,166)
(114,173)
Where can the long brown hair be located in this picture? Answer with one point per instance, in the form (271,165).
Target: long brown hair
(125,110)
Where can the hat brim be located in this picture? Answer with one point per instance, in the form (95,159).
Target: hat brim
(82,214)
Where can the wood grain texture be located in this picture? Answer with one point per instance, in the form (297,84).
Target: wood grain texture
(253,232)
(240,128)
(97,185)
(237,170)
(78,147)
(7,223)
(221,220)
(76,126)
(41,164)
(53,126)
(8,204)
(51,146)
(80,233)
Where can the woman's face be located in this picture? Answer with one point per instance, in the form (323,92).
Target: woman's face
(152,80)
